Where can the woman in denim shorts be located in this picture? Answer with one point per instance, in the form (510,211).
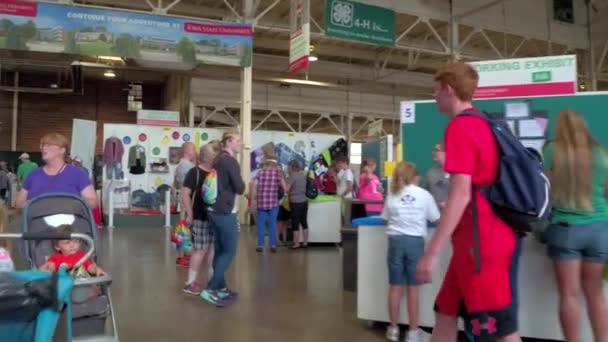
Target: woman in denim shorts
(577,238)
(407,210)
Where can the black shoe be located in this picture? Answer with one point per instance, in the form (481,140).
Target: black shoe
(273,249)
(259,249)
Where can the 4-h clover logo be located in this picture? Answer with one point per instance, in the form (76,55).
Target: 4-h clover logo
(342,13)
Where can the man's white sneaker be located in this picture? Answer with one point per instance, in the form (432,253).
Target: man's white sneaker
(392,333)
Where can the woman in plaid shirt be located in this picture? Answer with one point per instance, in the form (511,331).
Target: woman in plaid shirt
(266,189)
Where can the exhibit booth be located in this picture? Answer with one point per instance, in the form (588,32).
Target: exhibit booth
(533,120)
(140,163)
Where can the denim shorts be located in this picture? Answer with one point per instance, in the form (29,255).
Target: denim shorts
(588,242)
(404,251)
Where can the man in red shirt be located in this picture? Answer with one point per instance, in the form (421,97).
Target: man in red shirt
(483,298)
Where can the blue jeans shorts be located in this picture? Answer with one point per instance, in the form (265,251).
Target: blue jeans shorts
(587,242)
(404,251)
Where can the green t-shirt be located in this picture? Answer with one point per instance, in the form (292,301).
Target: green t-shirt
(598,197)
(25,169)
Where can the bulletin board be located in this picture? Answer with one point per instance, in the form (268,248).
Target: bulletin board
(533,125)
(158,144)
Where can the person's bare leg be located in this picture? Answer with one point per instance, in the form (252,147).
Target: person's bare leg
(568,274)
(510,338)
(296,238)
(394,299)
(281,231)
(593,287)
(305,234)
(446,329)
(195,265)
(412,306)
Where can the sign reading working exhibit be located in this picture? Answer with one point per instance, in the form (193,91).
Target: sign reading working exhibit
(103,32)
(356,21)
(299,42)
(158,118)
(555,75)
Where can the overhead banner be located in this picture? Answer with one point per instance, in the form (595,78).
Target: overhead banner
(104,32)
(356,21)
(538,76)
(299,39)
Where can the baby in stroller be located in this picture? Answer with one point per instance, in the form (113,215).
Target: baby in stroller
(69,252)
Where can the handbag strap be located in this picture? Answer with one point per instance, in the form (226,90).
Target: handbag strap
(198,175)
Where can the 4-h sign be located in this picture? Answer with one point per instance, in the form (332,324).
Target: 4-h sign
(356,21)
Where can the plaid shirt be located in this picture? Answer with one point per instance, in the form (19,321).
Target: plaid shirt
(267,189)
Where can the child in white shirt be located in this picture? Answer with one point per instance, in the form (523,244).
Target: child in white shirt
(407,210)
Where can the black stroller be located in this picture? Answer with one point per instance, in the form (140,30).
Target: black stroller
(89,315)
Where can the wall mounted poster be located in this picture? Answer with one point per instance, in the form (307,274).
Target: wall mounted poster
(142,161)
(46,27)
(304,147)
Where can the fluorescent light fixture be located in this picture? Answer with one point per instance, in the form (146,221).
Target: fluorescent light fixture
(111,58)
(312,58)
(303,82)
(109,73)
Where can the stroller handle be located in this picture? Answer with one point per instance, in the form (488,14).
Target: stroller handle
(49,235)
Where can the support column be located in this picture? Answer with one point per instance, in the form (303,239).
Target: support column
(15,113)
(592,74)
(191,111)
(245,123)
(454,38)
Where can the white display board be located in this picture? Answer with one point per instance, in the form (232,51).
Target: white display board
(85,148)
(158,142)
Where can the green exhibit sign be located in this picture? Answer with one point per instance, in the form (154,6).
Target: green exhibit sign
(356,21)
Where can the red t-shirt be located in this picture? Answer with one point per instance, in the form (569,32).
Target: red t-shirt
(471,149)
(69,260)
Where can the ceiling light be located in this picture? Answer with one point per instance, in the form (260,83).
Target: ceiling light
(111,58)
(303,82)
(109,73)
(313,58)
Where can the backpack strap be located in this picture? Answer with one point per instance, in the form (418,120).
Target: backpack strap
(476,248)
(474,190)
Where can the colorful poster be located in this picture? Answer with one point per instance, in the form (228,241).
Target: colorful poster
(94,31)
(537,76)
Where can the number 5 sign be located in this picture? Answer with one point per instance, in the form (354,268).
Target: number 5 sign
(408,112)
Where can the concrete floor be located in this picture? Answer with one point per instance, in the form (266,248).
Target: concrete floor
(289,296)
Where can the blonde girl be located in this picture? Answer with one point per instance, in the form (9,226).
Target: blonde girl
(577,239)
(407,210)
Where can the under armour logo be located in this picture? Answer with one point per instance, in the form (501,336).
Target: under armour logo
(490,326)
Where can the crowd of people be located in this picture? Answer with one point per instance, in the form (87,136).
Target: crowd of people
(466,161)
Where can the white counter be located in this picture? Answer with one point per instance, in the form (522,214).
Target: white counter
(324,222)
(538,297)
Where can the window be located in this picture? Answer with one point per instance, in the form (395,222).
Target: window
(563,11)
(355,153)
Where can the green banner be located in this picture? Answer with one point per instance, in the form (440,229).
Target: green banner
(356,21)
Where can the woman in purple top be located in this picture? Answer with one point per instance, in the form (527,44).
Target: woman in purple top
(56,175)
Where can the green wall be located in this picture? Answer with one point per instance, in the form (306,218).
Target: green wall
(419,138)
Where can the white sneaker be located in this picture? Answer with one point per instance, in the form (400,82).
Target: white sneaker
(414,336)
(392,333)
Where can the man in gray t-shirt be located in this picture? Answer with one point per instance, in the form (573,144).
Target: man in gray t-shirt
(437,180)
(185,164)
